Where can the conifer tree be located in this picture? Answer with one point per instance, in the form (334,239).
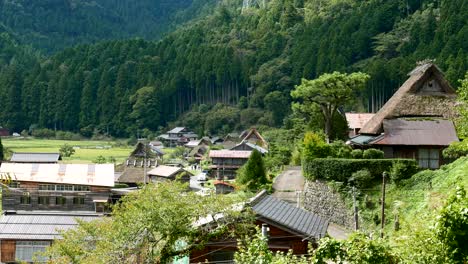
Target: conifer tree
(253,175)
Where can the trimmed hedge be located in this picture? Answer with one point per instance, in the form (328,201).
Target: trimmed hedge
(342,169)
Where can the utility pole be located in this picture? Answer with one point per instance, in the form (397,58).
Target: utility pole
(145,149)
(356,216)
(383,204)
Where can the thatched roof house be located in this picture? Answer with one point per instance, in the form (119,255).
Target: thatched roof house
(426,93)
(415,123)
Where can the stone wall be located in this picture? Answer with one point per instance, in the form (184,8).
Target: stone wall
(319,198)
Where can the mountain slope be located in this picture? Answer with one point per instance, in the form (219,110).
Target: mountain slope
(52,25)
(233,54)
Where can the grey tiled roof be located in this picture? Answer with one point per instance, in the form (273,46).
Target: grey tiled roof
(35,157)
(39,226)
(279,212)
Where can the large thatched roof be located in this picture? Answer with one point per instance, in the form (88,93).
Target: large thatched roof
(425,93)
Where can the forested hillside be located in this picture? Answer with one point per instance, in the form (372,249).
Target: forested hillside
(247,59)
(51,25)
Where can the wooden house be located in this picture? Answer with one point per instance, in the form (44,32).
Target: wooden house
(356,121)
(44,199)
(223,187)
(245,145)
(254,137)
(142,158)
(168,173)
(416,121)
(178,136)
(34,157)
(289,228)
(205,141)
(225,163)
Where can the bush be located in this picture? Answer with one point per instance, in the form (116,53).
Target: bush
(66,150)
(401,171)
(456,150)
(43,133)
(342,169)
(361,178)
(315,146)
(372,154)
(339,149)
(356,153)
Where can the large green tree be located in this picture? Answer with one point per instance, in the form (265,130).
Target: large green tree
(462,121)
(329,91)
(152,225)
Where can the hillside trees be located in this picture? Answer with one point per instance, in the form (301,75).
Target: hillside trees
(152,225)
(329,92)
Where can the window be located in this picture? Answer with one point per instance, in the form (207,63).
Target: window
(62,187)
(46,187)
(81,188)
(60,200)
(78,200)
(25,199)
(428,158)
(44,200)
(25,250)
(14,184)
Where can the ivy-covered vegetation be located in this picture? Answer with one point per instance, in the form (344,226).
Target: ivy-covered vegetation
(246,59)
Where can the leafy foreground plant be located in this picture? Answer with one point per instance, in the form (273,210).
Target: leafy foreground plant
(148,226)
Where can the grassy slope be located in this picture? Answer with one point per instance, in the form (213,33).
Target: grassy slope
(415,197)
(85,151)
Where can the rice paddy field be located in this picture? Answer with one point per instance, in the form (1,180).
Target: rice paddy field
(86,151)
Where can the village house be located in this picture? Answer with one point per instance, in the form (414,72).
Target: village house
(416,122)
(43,199)
(253,136)
(225,163)
(32,157)
(289,228)
(143,158)
(168,173)
(245,145)
(178,136)
(356,121)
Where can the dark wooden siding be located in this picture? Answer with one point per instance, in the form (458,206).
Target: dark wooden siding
(12,198)
(8,250)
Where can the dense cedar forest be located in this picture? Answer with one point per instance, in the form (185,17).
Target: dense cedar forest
(243,60)
(51,25)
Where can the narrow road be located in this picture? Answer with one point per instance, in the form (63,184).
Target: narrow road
(288,183)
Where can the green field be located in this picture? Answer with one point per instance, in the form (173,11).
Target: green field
(86,151)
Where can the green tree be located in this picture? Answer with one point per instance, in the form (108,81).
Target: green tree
(146,108)
(462,120)
(66,150)
(148,226)
(253,175)
(330,91)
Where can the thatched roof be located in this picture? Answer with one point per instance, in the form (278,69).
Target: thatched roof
(425,93)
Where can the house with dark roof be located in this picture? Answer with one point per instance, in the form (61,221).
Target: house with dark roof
(43,199)
(356,121)
(245,145)
(142,158)
(416,122)
(168,173)
(35,157)
(254,137)
(178,136)
(290,228)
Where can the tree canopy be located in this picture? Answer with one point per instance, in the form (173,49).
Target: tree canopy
(329,91)
(253,174)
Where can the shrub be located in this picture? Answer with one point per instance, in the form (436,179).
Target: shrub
(356,153)
(315,146)
(361,178)
(339,149)
(373,154)
(66,150)
(43,133)
(342,169)
(456,150)
(401,171)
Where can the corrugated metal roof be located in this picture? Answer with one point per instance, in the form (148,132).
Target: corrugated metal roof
(164,171)
(241,154)
(35,157)
(83,174)
(407,131)
(296,219)
(358,120)
(361,140)
(40,226)
(176,130)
